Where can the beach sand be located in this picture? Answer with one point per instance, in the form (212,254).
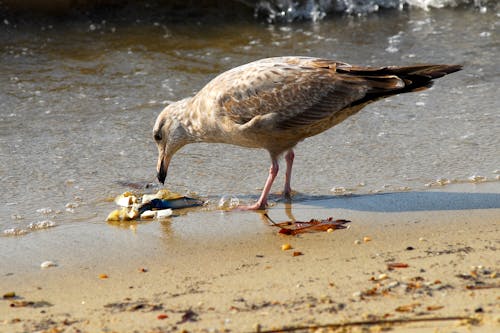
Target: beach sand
(226,271)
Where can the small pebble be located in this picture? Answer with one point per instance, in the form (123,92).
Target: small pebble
(297,253)
(338,189)
(329,230)
(410,248)
(421,239)
(47,264)
(393,284)
(382,277)
(357,241)
(10,294)
(162,316)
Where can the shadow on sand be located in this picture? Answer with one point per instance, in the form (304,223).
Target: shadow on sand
(404,201)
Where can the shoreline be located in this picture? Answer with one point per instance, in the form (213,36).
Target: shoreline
(213,271)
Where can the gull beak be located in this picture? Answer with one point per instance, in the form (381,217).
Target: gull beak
(162,168)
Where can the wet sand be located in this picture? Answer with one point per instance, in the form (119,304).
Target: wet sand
(78,100)
(213,271)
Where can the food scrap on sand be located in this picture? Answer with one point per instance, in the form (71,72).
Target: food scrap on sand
(393,265)
(149,206)
(298,227)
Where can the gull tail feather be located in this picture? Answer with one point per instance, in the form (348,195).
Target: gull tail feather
(392,80)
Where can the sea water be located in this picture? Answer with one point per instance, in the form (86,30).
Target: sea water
(79,97)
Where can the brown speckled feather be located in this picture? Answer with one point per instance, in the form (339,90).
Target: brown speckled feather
(301,91)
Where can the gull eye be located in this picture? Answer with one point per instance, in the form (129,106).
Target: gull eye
(157,136)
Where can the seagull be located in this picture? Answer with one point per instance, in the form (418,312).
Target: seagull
(275,103)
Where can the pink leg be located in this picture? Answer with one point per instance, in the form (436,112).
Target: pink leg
(288,175)
(262,202)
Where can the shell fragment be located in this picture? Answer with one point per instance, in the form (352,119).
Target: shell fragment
(149,214)
(156,214)
(161,214)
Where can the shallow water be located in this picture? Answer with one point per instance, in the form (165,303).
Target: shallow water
(78,101)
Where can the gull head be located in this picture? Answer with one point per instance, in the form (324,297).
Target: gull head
(170,135)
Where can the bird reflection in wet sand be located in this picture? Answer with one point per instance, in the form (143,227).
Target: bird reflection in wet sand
(277,102)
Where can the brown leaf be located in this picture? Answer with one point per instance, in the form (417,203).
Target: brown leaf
(298,227)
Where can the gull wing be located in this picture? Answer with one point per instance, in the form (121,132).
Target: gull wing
(297,91)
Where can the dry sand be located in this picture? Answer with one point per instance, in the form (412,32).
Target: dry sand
(212,271)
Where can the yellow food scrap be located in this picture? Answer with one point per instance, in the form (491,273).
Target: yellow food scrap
(132,214)
(286,247)
(114,215)
(367,239)
(165,194)
(123,214)
(126,199)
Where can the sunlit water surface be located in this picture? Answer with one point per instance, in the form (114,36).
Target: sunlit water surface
(78,101)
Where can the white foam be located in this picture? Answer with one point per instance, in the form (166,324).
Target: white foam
(315,10)
(41,225)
